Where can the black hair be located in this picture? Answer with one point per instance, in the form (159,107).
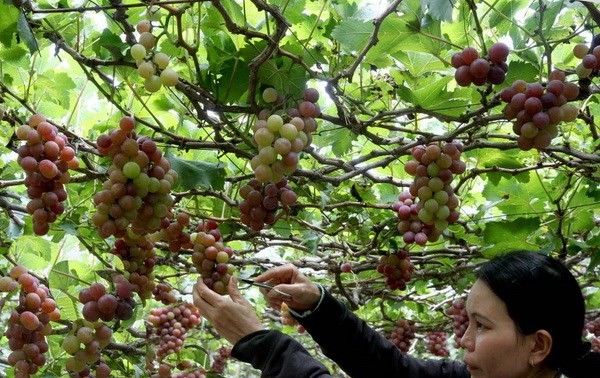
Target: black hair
(540,293)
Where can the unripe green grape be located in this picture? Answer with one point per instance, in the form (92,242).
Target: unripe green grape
(138,52)
(255,162)
(169,77)
(263,137)
(431,205)
(153,184)
(442,212)
(441,197)
(425,216)
(441,224)
(146,70)
(274,122)
(435,184)
(263,173)
(71,344)
(582,72)
(131,170)
(267,155)
(424,193)
(148,40)
(152,84)
(269,95)
(570,112)
(154,13)
(529,130)
(433,170)
(288,131)
(161,60)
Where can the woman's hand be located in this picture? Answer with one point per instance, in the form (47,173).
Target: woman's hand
(288,279)
(232,318)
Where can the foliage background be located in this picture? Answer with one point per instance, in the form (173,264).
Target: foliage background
(386,85)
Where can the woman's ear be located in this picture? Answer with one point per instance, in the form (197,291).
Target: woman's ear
(542,345)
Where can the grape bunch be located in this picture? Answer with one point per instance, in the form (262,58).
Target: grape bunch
(281,138)
(171,325)
(472,69)
(29,323)
(211,257)
(173,232)
(436,343)
(137,192)
(165,294)
(84,344)
(537,111)
(260,202)
(46,159)
(593,327)
(139,258)
(164,371)
(434,168)
(220,359)
(590,60)
(98,304)
(398,269)
(152,65)
(403,334)
(460,319)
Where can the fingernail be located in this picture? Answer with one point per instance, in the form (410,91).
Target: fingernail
(234,279)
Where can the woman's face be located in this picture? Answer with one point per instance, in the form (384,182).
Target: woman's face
(494,347)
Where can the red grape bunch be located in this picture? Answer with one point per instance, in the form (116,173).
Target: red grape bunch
(152,65)
(173,232)
(593,327)
(281,138)
(137,192)
(46,158)
(211,257)
(460,319)
(220,359)
(164,371)
(165,294)
(98,304)
(84,345)
(171,325)
(436,343)
(434,168)
(260,202)
(403,334)
(537,111)
(29,323)
(398,269)
(139,258)
(472,69)
(590,60)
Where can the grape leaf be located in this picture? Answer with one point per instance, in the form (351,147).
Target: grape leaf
(197,173)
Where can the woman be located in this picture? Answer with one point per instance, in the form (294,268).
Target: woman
(526,315)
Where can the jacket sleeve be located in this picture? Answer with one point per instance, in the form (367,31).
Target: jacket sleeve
(362,352)
(278,356)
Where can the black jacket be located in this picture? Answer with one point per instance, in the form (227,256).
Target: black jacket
(347,340)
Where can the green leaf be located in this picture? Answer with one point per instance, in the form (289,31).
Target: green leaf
(429,90)
(197,173)
(112,43)
(353,34)
(419,63)
(340,140)
(8,23)
(521,70)
(439,9)
(26,34)
(499,237)
(33,252)
(12,54)
(504,13)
